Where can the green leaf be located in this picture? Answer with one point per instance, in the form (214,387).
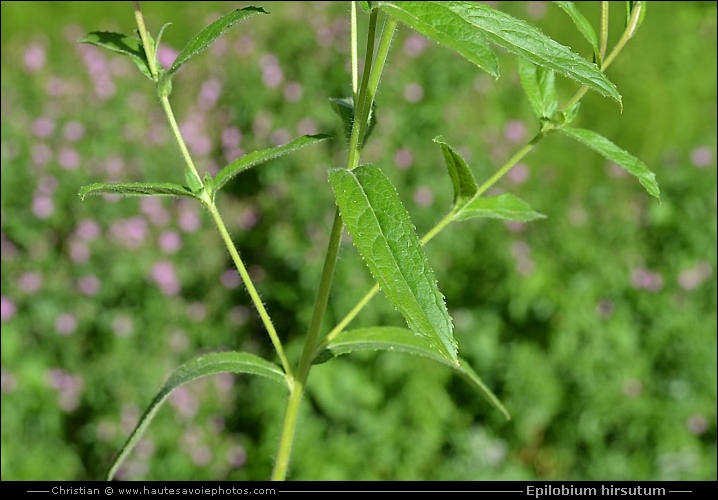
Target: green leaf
(503,206)
(210,364)
(445,28)
(403,340)
(617,155)
(258,157)
(136,189)
(387,241)
(581,23)
(211,33)
(344,108)
(461,177)
(539,85)
(366,6)
(457,24)
(194,183)
(122,44)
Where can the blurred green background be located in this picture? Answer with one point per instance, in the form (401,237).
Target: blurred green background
(596,326)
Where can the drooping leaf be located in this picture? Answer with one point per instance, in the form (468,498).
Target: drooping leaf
(581,23)
(136,189)
(539,85)
(458,25)
(622,158)
(344,108)
(461,177)
(122,44)
(403,340)
(209,364)
(209,34)
(258,157)
(436,23)
(386,239)
(504,206)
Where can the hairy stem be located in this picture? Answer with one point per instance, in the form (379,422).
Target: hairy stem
(149,50)
(370,82)
(209,203)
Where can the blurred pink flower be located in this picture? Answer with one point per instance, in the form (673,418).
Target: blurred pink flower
(69,159)
(43,206)
(236,456)
(166,56)
(43,127)
(413,92)
(30,282)
(702,157)
(231,137)
(73,131)
(184,401)
(7,308)
(65,324)
(515,131)
(643,279)
(34,57)
(230,279)
(122,325)
(415,45)
(89,285)
(209,93)
(404,158)
(87,229)
(519,174)
(423,196)
(163,273)
(41,154)
(170,241)
(293,91)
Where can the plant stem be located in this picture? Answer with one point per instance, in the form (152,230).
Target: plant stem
(627,34)
(355,52)
(149,50)
(604,31)
(167,107)
(370,82)
(256,299)
(209,203)
(360,106)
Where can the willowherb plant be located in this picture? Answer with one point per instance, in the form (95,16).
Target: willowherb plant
(367,204)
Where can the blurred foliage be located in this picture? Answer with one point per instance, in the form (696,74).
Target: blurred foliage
(596,326)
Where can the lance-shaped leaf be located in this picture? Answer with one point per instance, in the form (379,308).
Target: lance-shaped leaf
(461,177)
(136,189)
(208,35)
(209,364)
(258,157)
(435,23)
(503,206)
(458,25)
(622,158)
(122,44)
(539,85)
(387,241)
(402,340)
(581,23)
